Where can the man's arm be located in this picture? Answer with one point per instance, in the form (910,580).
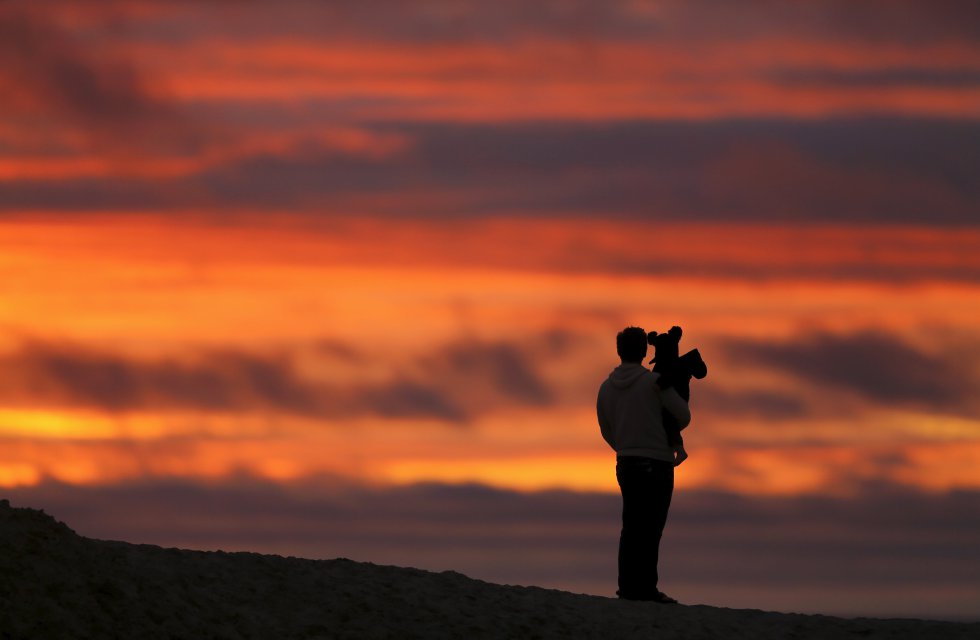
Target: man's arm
(604,426)
(675,406)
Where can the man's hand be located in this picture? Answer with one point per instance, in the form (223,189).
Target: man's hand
(667,379)
(680,455)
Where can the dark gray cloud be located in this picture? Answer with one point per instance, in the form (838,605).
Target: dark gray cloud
(50,77)
(42,61)
(504,366)
(451,383)
(47,374)
(405,399)
(963,78)
(877,366)
(881,548)
(847,170)
(906,21)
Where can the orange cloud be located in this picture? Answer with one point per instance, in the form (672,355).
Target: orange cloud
(508,246)
(531,79)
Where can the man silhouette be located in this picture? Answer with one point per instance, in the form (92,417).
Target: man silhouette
(629,409)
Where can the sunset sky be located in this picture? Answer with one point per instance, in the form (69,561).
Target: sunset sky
(342,279)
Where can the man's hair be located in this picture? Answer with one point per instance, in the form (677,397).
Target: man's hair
(631,344)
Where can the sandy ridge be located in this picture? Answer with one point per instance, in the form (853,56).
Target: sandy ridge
(56,584)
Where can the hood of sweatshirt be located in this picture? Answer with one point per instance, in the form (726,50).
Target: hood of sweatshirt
(626,374)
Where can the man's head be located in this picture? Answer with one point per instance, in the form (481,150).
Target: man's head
(631,344)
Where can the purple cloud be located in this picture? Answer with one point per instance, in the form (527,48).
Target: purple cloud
(437,384)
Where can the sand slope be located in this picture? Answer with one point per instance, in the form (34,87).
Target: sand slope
(56,584)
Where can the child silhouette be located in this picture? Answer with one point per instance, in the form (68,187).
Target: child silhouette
(675,371)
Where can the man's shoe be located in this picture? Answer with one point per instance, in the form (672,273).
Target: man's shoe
(656,596)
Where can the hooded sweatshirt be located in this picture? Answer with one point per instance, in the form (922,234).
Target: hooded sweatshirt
(629,411)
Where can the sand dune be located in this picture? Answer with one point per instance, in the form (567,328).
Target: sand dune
(56,584)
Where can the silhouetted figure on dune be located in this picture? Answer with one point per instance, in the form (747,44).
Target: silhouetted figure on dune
(631,407)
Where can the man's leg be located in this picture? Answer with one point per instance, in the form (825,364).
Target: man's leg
(646,486)
(629,474)
(661,491)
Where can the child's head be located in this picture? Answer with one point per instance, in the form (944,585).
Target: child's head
(666,345)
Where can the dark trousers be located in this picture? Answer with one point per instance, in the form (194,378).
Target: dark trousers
(647,486)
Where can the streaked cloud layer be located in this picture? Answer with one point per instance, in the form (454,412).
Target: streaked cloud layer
(389,244)
(659,110)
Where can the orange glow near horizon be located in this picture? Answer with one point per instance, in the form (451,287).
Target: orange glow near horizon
(789,470)
(165,296)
